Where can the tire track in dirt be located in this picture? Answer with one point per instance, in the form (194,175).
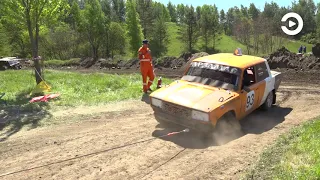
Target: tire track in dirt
(182,156)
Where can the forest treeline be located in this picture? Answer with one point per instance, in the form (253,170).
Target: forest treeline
(63,29)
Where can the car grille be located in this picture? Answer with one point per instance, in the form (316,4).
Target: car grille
(176,110)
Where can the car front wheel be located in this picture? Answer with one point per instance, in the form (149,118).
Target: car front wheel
(227,129)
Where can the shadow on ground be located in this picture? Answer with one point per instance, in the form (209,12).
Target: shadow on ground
(145,98)
(20,113)
(256,123)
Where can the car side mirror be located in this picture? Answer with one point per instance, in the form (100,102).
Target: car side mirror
(246,88)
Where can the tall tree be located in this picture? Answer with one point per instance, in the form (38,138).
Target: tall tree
(93,25)
(117,38)
(216,28)
(243,32)
(7,39)
(134,29)
(145,10)
(206,24)
(307,10)
(74,15)
(122,10)
(253,11)
(32,14)
(270,9)
(244,11)
(198,15)
(108,11)
(188,31)
(318,21)
(223,20)
(160,10)
(230,19)
(172,11)
(160,38)
(180,13)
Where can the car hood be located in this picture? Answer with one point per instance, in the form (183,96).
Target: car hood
(195,96)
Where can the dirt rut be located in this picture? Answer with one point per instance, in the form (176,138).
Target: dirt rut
(89,149)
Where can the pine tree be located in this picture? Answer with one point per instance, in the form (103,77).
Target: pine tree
(134,30)
(144,8)
(172,11)
(93,25)
(160,37)
(188,31)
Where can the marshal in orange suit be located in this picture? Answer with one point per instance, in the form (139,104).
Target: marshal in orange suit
(146,67)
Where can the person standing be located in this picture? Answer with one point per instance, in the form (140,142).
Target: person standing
(146,67)
(304,49)
(300,49)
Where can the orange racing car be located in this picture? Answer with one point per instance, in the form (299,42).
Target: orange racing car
(217,89)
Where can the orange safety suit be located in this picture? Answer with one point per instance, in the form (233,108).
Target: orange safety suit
(146,67)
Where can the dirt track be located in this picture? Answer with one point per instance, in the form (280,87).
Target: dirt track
(183,156)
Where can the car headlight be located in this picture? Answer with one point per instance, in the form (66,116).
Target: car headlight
(156,102)
(201,116)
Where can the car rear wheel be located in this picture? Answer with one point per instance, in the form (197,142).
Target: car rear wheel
(269,101)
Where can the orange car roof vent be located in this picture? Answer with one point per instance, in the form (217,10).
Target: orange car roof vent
(238,52)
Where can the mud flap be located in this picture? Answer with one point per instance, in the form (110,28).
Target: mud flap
(278,79)
(274,98)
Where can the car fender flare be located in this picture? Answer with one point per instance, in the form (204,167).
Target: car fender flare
(228,112)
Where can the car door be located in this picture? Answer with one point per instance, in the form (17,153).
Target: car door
(250,92)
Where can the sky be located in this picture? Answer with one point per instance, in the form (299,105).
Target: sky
(226,4)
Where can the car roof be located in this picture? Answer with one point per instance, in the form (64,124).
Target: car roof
(8,59)
(230,59)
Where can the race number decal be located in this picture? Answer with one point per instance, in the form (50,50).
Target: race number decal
(250,100)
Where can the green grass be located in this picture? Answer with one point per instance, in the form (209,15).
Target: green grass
(75,88)
(296,155)
(224,43)
(293,46)
(227,44)
(175,46)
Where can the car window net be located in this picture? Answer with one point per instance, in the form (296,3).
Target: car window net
(215,75)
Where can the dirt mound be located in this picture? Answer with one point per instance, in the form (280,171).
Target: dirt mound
(191,58)
(283,58)
(316,50)
(132,63)
(87,62)
(164,62)
(106,63)
(170,62)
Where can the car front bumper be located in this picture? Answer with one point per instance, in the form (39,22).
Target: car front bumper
(200,126)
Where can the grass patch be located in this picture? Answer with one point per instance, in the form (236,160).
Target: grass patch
(75,88)
(293,46)
(227,44)
(224,43)
(175,45)
(295,155)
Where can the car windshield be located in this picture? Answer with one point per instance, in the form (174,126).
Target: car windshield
(216,75)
